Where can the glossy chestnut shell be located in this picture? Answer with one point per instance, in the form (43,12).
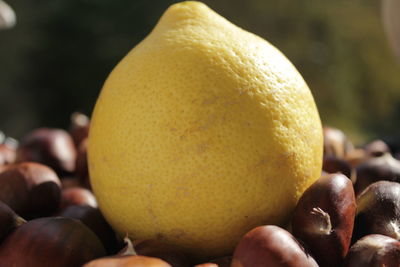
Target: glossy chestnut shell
(324,218)
(51,241)
(49,146)
(30,189)
(270,246)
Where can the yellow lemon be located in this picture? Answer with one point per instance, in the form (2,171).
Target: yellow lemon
(200,133)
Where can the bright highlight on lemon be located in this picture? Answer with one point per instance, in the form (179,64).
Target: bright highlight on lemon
(202,132)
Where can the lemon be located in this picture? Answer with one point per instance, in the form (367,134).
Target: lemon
(200,133)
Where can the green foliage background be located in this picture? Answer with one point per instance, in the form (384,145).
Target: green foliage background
(56,59)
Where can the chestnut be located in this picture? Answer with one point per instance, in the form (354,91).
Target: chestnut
(9,220)
(332,164)
(324,217)
(374,169)
(79,128)
(77,196)
(378,210)
(30,189)
(336,142)
(7,154)
(158,249)
(52,147)
(128,261)
(374,250)
(51,241)
(207,264)
(376,148)
(270,245)
(81,170)
(70,182)
(93,219)
(356,156)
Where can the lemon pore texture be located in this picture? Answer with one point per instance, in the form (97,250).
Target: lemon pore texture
(202,132)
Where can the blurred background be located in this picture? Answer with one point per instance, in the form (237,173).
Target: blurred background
(55,60)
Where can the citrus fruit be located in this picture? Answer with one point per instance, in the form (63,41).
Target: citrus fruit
(202,132)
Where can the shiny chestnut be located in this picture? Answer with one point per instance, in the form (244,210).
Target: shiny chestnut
(324,218)
(79,128)
(49,146)
(30,189)
(378,210)
(95,221)
(9,220)
(374,250)
(77,196)
(384,167)
(52,241)
(336,142)
(270,246)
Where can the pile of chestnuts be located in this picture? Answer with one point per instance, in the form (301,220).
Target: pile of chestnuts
(49,215)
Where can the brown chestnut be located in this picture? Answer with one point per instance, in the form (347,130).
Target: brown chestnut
(378,210)
(79,128)
(336,142)
(376,148)
(158,249)
(7,154)
(356,156)
(270,246)
(128,261)
(77,196)
(30,189)
(207,264)
(333,164)
(93,219)
(374,169)
(9,220)
(324,218)
(52,147)
(374,250)
(52,241)
(70,182)
(82,165)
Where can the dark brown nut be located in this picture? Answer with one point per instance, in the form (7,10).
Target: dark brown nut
(7,154)
(93,219)
(356,157)
(52,241)
(79,128)
(376,148)
(336,142)
(9,220)
(82,165)
(158,249)
(324,218)
(70,182)
(378,210)
(333,164)
(77,196)
(30,189)
(271,246)
(375,169)
(52,147)
(128,261)
(374,250)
